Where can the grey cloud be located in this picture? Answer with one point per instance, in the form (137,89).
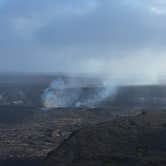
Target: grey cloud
(113,23)
(82,35)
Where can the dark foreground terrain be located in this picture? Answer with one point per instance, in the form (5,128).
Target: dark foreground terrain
(118,131)
(132,141)
(28,134)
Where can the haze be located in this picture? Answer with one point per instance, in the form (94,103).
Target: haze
(123,40)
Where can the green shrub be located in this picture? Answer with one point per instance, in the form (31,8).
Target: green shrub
(140,152)
(110,163)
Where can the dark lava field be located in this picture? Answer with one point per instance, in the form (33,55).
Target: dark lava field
(126,129)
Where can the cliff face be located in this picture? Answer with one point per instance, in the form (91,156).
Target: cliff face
(122,142)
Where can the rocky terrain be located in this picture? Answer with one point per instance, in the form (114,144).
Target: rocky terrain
(27,134)
(138,141)
(29,130)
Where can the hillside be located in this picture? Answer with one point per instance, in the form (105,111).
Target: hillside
(138,141)
(27,134)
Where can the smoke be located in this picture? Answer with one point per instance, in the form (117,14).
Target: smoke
(55,94)
(137,68)
(112,73)
(65,93)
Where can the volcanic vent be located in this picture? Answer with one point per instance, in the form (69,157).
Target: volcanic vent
(65,93)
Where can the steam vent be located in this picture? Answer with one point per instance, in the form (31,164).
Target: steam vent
(65,93)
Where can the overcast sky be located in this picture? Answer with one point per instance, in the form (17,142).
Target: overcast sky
(106,37)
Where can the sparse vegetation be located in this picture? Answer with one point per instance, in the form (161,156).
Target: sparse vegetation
(140,152)
(110,163)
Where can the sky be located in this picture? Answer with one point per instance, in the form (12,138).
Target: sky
(121,39)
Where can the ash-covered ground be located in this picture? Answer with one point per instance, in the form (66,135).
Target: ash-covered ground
(39,112)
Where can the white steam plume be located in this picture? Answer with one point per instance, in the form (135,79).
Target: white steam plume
(65,93)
